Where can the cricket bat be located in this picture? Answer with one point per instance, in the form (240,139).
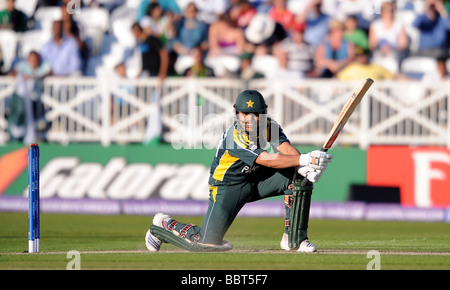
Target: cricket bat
(344,115)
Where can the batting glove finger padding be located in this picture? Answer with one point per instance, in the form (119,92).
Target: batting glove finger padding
(316,159)
(304,170)
(312,174)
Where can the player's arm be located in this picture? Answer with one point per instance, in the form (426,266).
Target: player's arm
(289,156)
(287,148)
(278,160)
(275,160)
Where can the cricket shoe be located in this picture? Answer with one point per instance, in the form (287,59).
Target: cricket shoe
(305,246)
(161,220)
(153,243)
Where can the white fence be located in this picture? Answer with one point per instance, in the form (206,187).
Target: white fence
(193,112)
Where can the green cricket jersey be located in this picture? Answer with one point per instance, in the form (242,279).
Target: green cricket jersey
(237,151)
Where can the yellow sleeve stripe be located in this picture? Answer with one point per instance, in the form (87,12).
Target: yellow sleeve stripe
(225,162)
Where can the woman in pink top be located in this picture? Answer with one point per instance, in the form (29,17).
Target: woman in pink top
(226,44)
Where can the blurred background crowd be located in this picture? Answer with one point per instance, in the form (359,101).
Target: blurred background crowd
(290,39)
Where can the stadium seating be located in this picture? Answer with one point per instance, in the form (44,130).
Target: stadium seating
(121,20)
(8,40)
(390,63)
(26,6)
(95,23)
(31,40)
(296,6)
(121,28)
(418,64)
(111,59)
(45,16)
(133,3)
(117,41)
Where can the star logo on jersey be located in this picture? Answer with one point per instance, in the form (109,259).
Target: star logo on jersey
(250,104)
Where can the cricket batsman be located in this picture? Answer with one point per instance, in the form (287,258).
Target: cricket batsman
(244,171)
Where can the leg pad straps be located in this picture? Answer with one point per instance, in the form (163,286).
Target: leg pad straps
(299,213)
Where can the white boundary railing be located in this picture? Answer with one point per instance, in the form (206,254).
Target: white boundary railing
(193,112)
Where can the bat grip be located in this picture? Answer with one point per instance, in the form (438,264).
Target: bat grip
(305,180)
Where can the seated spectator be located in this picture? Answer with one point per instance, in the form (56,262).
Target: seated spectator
(226,43)
(363,11)
(242,13)
(166,5)
(62,52)
(362,69)
(33,68)
(264,36)
(316,22)
(208,9)
(119,107)
(294,54)
(441,73)
(74,29)
(263,33)
(354,34)
(71,27)
(159,24)
(154,57)
(433,25)
(198,69)
(387,36)
(281,14)
(120,71)
(442,68)
(334,53)
(191,33)
(12,18)
(26,117)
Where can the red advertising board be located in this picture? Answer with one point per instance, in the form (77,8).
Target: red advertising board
(421,173)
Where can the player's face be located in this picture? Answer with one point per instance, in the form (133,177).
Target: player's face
(249,121)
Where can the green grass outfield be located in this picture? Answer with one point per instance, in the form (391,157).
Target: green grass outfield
(117,242)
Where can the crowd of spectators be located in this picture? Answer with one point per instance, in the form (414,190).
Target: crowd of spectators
(254,38)
(289,39)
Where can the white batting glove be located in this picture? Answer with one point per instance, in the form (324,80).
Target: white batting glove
(313,175)
(317,159)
